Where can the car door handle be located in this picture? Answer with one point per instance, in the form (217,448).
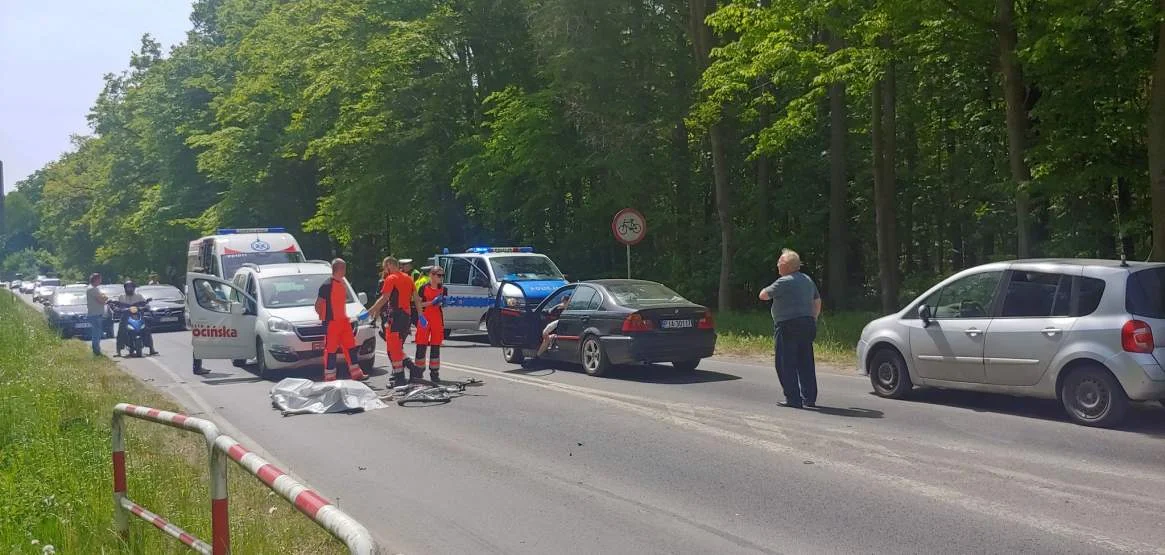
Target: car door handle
(1051,331)
(973,332)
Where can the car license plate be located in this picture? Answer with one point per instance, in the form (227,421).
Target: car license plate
(81,325)
(676,324)
(170,319)
(317,345)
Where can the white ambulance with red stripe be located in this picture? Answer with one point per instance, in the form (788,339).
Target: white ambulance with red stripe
(223,253)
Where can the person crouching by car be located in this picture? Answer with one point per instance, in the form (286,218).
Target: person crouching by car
(548,335)
(126,300)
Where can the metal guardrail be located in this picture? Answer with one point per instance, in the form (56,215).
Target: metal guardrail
(221,447)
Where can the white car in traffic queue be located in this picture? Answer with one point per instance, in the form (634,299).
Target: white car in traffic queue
(267,314)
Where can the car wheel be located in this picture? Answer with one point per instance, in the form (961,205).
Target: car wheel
(1092,397)
(513,356)
(594,360)
(686,365)
(239,362)
(261,360)
(889,375)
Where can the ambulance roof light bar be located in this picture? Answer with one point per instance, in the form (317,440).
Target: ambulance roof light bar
(236,231)
(487,250)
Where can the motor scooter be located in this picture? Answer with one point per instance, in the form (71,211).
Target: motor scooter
(136,330)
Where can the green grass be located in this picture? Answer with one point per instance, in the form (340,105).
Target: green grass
(56,484)
(750,334)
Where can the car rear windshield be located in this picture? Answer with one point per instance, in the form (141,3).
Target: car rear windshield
(294,290)
(162,293)
(1145,293)
(643,295)
(69,299)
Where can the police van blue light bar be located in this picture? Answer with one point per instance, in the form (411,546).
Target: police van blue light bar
(486,250)
(232,231)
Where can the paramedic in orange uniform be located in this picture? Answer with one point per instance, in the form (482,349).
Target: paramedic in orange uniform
(400,296)
(331,306)
(430,337)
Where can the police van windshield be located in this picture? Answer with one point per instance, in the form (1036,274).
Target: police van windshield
(529,267)
(232,262)
(294,290)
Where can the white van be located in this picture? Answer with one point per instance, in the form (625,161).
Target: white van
(223,253)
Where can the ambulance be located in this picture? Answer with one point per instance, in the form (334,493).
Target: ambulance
(223,253)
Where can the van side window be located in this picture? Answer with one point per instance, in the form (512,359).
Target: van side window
(457,271)
(1037,295)
(1088,297)
(969,297)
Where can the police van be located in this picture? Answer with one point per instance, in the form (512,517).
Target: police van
(474,279)
(223,253)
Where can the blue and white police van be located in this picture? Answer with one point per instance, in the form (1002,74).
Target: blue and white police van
(475,277)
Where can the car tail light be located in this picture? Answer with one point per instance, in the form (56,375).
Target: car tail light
(707,323)
(1137,337)
(636,323)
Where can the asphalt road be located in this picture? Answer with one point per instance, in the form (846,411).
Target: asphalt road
(549,460)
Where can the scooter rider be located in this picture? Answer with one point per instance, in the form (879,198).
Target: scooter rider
(130,298)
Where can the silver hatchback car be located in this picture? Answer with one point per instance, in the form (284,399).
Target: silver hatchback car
(1090,333)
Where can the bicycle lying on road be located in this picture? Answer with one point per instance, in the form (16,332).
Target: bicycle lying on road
(424,391)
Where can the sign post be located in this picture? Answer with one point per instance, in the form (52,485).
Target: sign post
(629,227)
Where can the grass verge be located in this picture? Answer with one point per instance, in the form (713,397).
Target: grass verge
(56,481)
(750,335)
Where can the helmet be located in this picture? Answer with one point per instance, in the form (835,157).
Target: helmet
(129,284)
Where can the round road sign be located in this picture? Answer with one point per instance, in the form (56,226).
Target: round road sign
(629,226)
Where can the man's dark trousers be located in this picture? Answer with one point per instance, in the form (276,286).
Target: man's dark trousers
(793,340)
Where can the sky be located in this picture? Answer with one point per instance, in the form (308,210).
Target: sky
(53,54)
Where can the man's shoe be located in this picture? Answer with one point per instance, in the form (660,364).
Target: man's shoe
(811,404)
(153,353)
(434,376)
(398,380)
(789,405)
(201,371)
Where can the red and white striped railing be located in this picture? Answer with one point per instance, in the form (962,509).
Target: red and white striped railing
(221,447)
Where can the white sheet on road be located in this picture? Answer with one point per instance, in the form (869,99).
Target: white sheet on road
(300,396)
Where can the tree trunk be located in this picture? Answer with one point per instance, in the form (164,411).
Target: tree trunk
(883,126)
(764,167)
(702,43)
(1017,120)
(1157,142)
(838,129)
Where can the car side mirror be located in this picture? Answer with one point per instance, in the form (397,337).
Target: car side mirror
(925,315)
(363,298)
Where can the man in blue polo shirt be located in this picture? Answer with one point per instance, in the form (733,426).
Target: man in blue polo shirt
(796,306)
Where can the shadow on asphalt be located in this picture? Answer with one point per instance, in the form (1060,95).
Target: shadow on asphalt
(852,412)
(1142,418)
(654,373)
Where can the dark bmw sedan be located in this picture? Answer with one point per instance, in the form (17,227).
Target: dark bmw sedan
(167,310)
(604,323)
(66,311)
